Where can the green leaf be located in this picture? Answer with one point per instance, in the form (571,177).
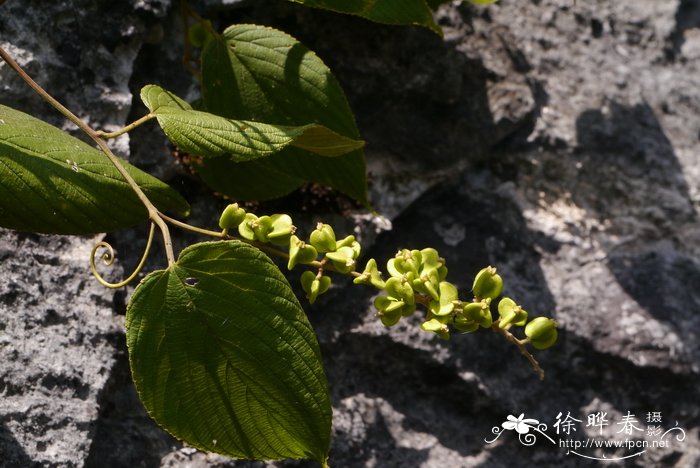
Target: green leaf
(224,358)
(258,73)
(54,183)
(382,11)
(208,135)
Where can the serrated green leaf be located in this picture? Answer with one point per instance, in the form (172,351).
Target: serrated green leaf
(208,135)
(382,11)
(258,73)
(224,358)
(51,182)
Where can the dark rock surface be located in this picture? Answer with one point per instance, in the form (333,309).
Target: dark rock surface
(557,141)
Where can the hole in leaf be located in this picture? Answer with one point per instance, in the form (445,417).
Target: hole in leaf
(191,281)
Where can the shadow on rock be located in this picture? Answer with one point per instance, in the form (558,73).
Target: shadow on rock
(640,192)
(124,435)
(11,452)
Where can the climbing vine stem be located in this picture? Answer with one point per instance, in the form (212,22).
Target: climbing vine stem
(153,212)
(108,260)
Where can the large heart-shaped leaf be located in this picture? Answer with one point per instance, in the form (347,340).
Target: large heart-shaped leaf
(224,358)
(208,135)
(51,182)
(258,73)
(382,11)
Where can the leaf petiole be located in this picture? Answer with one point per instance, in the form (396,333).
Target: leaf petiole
(128,128)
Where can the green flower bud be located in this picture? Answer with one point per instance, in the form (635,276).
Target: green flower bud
(313,286)
(281,229)
(300,252)
(542,332)
(231,217)
(487,284)
(323,238)
(371,275)
(437,327)
(400,289)
(510,313)
(446,303)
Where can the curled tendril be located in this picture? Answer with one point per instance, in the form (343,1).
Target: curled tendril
(107,258)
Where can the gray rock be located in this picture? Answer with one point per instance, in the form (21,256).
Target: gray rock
(557,141)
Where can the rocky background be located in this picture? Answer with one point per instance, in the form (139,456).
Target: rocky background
(557,140)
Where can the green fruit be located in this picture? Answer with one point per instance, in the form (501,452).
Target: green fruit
(446,303)
(430,259)
(510,313)
(487,284)
(323,238)
(300,252)
(427,284)
(400,289)
(245,228)
(464,324)
(313,286)
(479,312)
(255,228)
(231,217)
(542,332)
(347,242)
(437,327)
(281,229)
(371,275)
(390,310)
(343,259)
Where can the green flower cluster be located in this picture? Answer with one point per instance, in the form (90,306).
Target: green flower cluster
(415,277)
